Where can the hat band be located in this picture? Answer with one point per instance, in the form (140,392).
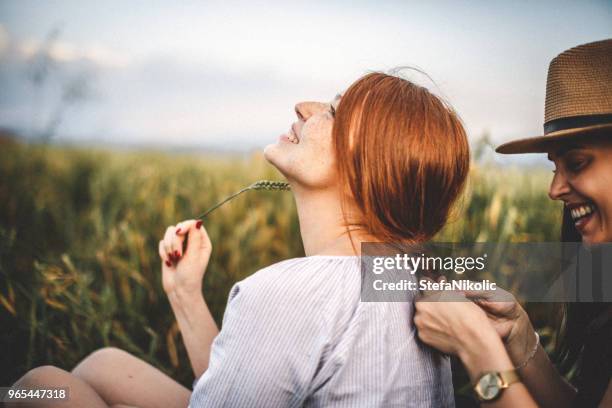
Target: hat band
(577,122)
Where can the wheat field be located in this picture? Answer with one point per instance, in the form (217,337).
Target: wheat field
(79,230)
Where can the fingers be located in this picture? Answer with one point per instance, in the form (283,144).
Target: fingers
(182,228)
(173,244)
(439,294)
(496,295)
(428,295)
(489,296)
(172,247)
(185,232)
(434,295)
(479,294)
(163,254)
(198,243)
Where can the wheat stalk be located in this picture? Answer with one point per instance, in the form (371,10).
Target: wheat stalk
(258,185)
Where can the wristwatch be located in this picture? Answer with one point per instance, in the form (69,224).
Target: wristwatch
(492,383)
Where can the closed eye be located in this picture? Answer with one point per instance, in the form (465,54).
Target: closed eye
(332,110)
(576,165)
(576,162)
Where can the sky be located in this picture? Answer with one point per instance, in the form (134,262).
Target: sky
(227,74)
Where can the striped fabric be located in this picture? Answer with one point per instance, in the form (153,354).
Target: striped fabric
(296,334)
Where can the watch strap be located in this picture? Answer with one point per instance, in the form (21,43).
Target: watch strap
(509,377)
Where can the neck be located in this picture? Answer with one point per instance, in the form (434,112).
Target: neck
(322,224)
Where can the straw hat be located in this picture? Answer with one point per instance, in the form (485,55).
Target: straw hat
(578,98)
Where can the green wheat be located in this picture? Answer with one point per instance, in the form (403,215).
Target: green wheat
(258,185)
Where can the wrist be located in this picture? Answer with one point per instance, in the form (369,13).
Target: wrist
(485,352)
(474,336)
(521,340)
(184,299)
(532,352)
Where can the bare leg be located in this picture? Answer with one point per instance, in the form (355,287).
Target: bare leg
(80,393)
(119,378)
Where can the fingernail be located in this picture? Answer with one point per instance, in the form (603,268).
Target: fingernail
(178,231)
(199,224)
(168,264)
(177,254)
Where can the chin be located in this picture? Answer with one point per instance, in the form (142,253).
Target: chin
(595,238)
(268,152)
(273,155)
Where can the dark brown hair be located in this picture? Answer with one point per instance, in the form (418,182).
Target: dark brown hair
(403,156)
(583,349)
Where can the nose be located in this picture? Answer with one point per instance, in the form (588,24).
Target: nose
(305,110)
(559,187)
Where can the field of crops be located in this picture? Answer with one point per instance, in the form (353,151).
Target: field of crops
(79,231)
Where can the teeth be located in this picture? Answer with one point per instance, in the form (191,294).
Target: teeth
(582,211)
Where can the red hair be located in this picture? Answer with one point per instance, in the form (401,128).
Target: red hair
(403,156)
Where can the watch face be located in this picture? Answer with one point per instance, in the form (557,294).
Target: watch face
(488,386)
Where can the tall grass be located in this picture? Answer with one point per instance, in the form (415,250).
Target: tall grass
(79,231)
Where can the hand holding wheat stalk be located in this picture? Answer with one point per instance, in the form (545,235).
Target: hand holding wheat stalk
(258,185)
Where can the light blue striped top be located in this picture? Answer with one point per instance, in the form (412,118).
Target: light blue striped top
(296,334)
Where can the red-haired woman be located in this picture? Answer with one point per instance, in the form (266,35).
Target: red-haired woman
(384,162)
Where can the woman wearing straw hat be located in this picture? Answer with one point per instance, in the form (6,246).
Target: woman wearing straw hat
(497,338)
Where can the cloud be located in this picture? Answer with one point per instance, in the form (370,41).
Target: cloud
(66,52)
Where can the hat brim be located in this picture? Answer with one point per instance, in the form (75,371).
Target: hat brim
(542,144)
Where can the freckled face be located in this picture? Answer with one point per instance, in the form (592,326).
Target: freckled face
(583,181)
(305,153)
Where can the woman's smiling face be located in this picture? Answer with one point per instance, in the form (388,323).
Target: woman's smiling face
(583,181)
(305,153)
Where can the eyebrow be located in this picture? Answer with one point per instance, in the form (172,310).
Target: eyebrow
(565,149)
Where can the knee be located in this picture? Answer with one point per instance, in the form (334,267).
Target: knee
(104,359)
(42,376)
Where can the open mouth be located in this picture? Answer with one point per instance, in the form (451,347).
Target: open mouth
(582,213)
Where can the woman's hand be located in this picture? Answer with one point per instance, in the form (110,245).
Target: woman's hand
(451,323)
(185,251)
(509,319)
